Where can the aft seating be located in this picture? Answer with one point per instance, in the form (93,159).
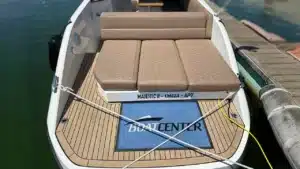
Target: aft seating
(160,67)
(160,51)
(154,25)
(204,67)
(117,66)
(193,6)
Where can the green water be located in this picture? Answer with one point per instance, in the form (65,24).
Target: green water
(25,27)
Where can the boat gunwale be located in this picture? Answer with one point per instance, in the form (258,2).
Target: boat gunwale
(55,97)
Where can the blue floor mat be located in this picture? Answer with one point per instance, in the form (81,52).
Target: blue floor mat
(167,117)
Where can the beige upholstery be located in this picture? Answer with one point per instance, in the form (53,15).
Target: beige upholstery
(158,63)
(194,6)
(209,24)
(154,34)
(160,67)
(153,25)
(204,67)
(149,20)
(117,64)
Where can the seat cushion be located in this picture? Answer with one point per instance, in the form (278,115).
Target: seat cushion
(194,6)
(160,67)
(154,34)
(153,25)
(152,20)
(117,64)
(205,68)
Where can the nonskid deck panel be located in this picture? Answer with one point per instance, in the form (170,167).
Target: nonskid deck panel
(88,136)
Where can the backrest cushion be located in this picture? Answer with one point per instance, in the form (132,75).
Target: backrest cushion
(194,6)
(153,25)
(209,24)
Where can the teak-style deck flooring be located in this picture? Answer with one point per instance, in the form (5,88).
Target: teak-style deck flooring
(88,135)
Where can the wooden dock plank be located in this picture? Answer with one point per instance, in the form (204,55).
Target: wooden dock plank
(297,99)
(287,78)
(291,85)
(295,92)
(283,66)
(270,60)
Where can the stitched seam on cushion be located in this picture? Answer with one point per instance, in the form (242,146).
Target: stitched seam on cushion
(178,55)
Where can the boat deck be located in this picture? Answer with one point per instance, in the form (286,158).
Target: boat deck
(89,136)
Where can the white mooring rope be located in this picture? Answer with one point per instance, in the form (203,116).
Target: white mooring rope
(211,111)
(229,96)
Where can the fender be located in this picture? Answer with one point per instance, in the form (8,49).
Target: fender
(54,47)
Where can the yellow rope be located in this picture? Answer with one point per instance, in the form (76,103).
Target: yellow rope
(240,126)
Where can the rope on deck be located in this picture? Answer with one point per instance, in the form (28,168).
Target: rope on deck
(225,101)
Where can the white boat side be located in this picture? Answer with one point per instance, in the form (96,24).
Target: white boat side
(85,23)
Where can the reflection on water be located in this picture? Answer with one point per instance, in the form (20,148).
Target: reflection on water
(278,16)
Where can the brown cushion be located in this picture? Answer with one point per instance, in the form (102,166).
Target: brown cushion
(154,34)
(205,69)
(153,25)
(195,6)
(117,64)
(160,67)
(126,20)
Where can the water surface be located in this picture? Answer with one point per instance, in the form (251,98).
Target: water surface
(281,17)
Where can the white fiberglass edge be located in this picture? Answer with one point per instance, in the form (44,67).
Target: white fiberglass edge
(128,96)
(222,42)
(56,103)
(207,7)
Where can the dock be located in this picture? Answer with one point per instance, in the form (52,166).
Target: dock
(272,71)
(270,62)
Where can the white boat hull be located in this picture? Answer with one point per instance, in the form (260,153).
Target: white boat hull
(70,58)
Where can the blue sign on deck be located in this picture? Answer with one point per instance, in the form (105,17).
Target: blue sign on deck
(167,117)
